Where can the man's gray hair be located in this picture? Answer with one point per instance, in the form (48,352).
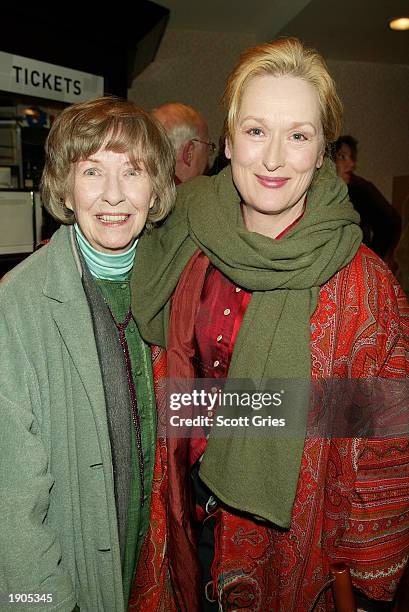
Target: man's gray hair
(181,122)
(180,133)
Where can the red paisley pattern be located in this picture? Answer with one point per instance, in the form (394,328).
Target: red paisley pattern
(152,589)
(352,501)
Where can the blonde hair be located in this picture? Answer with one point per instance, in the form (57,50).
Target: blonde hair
(116,125)
(285,57)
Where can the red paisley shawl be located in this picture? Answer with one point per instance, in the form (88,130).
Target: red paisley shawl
(352,501)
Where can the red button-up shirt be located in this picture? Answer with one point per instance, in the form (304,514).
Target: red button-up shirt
(222,308)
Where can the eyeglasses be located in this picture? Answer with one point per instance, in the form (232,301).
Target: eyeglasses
(211,145)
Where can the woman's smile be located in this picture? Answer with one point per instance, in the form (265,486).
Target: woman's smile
(272,182)
(112,219)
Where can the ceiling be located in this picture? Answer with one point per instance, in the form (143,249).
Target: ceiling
(355,30)
(262,17)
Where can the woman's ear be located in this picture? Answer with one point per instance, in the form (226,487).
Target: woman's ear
(320,160)
(67,203)
(227,147)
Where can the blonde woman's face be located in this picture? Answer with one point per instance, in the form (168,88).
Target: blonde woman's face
(276,147)
(110,199)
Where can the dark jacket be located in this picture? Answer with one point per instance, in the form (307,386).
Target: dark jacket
(380,222)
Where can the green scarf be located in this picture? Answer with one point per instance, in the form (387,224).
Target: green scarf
(253,474)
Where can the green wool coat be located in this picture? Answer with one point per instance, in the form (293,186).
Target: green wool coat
(58,526)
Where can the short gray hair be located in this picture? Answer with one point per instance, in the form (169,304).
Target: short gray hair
(181,122)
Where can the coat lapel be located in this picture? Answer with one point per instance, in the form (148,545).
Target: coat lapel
(72,316)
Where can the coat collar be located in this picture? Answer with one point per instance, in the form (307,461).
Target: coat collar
(63,267)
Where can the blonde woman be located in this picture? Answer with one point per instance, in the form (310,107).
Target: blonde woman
(264,275)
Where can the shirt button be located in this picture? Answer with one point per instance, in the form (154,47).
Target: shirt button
(219,338)
(216,363)
(138,371)
(131,329)
(124,286)
(226,311)
(238,289)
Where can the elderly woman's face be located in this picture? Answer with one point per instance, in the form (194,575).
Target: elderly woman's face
(111,199)
(275,149)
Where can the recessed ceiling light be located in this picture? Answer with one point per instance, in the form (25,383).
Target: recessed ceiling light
(401,23)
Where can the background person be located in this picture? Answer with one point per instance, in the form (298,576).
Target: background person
(77,408)
(380,222)
(189,134)
(270,281)
(402,251)
(220,161)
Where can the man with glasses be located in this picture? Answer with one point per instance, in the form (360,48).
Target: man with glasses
(189,134)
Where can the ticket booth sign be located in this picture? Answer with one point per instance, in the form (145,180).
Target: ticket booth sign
(40,79)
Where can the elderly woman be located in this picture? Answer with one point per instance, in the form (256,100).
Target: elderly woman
(78,414)
(260,274)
